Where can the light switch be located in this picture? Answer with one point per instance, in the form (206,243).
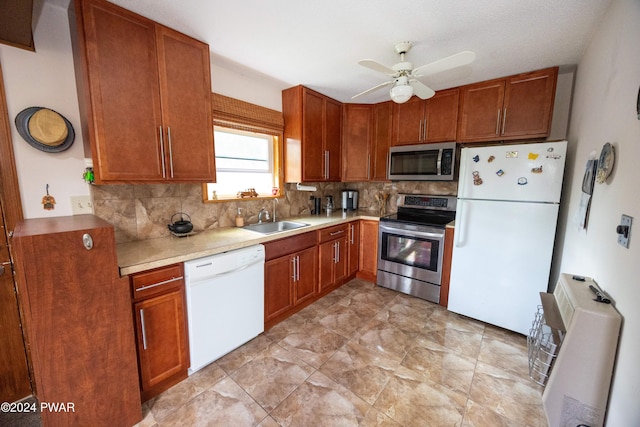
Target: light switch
(624,230)
(81,205)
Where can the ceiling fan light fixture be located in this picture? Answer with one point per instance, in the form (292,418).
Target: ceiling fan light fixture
(401,92)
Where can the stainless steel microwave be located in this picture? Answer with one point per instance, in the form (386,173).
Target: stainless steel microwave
(422,162)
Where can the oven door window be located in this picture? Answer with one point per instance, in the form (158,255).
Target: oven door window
(413,251)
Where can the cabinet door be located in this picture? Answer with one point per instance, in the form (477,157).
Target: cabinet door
(442,116)
(408,120)
(185,82)
(369,248)
(341,262)
(326,256)
(481,111)
(356,142)
(162,337)
(528,104)
(123,99)
(333,138)
(307,271)
(382,126)
(354,247)
(278,291)
(313,156)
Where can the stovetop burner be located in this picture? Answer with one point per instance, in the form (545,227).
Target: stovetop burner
(435,211)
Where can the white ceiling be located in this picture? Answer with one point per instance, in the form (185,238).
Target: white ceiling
(318,43)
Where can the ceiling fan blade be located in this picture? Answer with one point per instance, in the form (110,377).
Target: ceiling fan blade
(453,61)
(376,66)
(421,90)
(381,85)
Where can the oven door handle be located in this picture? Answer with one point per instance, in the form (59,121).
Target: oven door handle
(439,235)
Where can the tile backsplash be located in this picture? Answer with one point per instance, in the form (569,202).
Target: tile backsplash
(142,211)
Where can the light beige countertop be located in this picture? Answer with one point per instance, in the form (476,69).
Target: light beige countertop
(144,255)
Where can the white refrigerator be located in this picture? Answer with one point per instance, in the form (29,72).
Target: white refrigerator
(506,215)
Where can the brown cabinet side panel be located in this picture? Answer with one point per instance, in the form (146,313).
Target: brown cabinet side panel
(79,323)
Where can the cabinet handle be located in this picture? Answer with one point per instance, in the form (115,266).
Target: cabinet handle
(297,268)
(338,252)
(144,334)
(353,232)
(498,122)
(326,164)
(368,166)
(175,279)
(504,119)
(336,233)
(164,173)
(170,150)
(423,137)
(293,261)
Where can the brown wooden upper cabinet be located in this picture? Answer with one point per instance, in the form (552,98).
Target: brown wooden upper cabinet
(145,93)
(366,137)
(312,133)
(516,107)
(424,121)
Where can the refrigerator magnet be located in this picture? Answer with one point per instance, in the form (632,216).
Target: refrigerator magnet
(522,181)
(476,178)
(537,170)
(533,156)
(476,158)
(512,155)
(491,159)
(499,172)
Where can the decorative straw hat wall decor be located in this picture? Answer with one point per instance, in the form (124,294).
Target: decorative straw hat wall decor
(45,129)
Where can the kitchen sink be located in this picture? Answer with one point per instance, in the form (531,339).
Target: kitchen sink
(275,227)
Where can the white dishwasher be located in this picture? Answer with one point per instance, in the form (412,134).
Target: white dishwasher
(225,302)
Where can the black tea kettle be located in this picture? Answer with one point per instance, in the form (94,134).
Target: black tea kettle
(181,227)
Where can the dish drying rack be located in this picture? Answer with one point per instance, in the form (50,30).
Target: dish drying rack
(572,346)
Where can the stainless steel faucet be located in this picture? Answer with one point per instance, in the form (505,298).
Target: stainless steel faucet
(262,212)
(275,203)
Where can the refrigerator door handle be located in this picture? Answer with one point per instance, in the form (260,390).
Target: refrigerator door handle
(460,224)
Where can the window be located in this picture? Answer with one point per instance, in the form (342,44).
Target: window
(243,160)
(248,145)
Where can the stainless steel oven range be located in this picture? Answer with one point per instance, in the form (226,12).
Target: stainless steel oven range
(410,245)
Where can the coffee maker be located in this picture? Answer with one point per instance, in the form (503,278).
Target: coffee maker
(349,200)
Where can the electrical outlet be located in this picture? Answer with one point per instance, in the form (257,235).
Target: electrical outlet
(81,205)
(624,230)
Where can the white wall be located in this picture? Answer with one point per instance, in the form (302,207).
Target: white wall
(604,110)
(46,79)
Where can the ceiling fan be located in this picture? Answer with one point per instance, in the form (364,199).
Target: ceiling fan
(405,81)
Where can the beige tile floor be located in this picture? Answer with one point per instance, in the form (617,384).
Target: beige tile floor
(362,356)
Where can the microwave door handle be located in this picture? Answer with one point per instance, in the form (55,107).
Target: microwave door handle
(439,163)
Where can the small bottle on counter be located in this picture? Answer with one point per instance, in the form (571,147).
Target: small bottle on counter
(239,218)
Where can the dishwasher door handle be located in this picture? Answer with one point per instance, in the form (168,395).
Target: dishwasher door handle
(226,273)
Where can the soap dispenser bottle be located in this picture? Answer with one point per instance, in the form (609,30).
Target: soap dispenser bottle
(239,219)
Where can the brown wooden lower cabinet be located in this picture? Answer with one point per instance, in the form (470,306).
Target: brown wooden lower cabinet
(78,323)
(161,328)
(290,272)
(353,241)
(369,250)
(333,253)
